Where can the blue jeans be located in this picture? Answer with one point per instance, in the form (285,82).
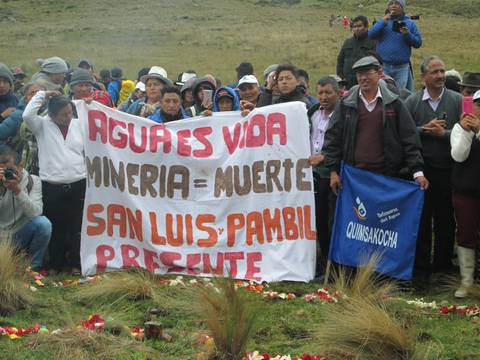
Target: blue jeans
(34,237)
(401,74)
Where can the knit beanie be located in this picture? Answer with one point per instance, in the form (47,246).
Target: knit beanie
(81,76)
(6,73)
(53,65)
(402,3)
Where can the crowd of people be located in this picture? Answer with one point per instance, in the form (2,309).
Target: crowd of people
(367,115)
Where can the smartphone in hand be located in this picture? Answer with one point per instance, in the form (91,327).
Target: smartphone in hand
(207,98)
(467,105)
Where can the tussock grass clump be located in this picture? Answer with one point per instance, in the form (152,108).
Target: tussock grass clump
(135,284)
(81,344)
(14,292)
(359,326)
(230,317)
(363,330)
(364,283)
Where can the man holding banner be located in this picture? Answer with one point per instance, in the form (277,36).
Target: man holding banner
(372,130)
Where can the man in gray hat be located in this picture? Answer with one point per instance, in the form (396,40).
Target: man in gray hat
(372,129)
(81,84)
(470,83)
(52,73)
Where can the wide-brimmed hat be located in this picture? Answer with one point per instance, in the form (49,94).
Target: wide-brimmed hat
(470,79)
(156,72)
(185,76)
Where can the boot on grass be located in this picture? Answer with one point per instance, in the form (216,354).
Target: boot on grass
(466,260)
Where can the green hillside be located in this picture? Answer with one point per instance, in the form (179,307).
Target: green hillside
(214,36)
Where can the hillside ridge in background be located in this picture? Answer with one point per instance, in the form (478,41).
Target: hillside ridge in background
(214,36)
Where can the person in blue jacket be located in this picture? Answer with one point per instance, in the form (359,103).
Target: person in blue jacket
(226,99)
(396,34)
(170,106)
(10,126)
(8,100)
(115,85)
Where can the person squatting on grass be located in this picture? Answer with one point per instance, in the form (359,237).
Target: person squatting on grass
(62,171)
(21,207)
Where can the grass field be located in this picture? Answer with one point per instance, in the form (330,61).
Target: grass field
(213,37)
(284,326)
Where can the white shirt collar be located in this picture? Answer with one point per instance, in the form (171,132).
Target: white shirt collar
(370,105)
(378,95)
(427,96)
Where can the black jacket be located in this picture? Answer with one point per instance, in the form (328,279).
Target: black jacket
(353,49)
(466,175)
(266,98)
(402,145)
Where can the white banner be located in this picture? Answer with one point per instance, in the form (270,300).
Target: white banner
(202,196)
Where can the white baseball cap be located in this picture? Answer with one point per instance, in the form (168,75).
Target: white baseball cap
(140,86)
(476,96)
(248,79)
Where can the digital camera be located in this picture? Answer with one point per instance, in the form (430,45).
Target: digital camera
(9,173)
(397,25)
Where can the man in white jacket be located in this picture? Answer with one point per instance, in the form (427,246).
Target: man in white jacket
(21,207)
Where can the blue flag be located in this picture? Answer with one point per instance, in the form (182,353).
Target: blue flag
(376,214)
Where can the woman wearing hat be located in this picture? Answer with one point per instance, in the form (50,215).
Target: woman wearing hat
(154,81)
